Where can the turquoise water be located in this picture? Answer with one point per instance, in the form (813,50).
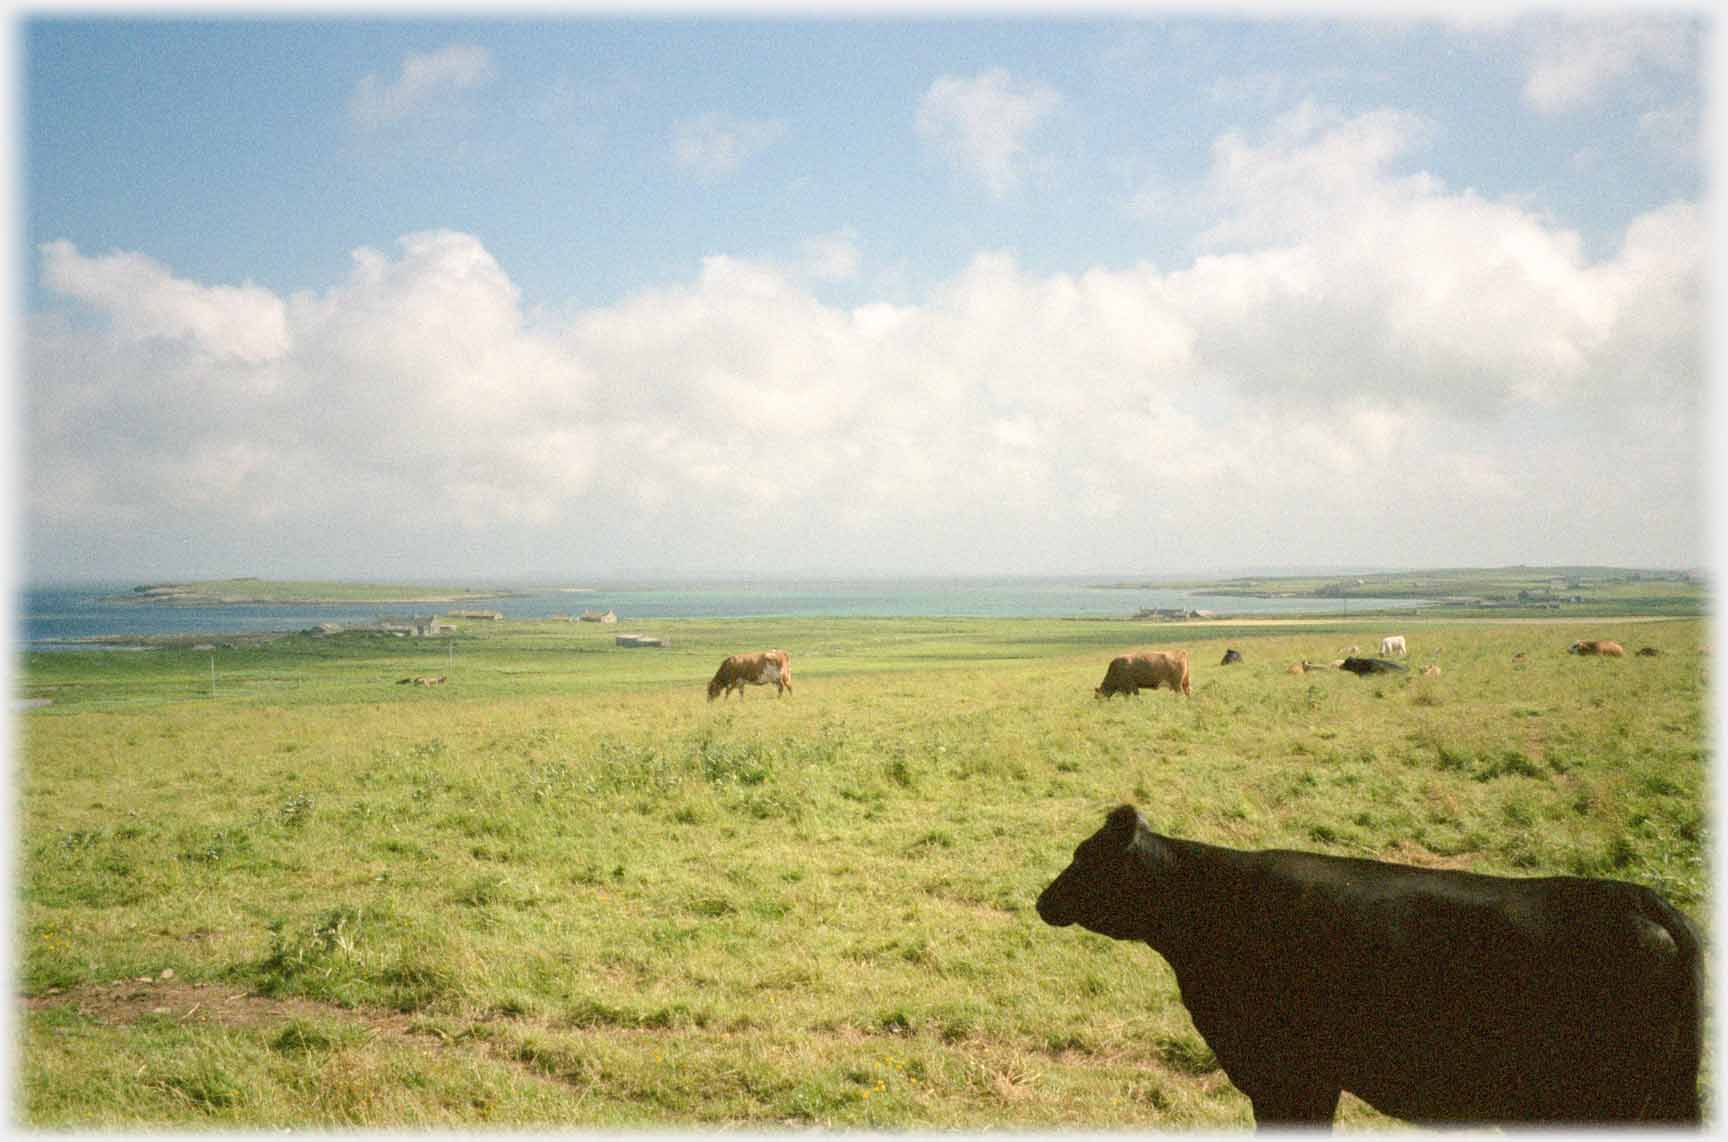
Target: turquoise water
(57,617)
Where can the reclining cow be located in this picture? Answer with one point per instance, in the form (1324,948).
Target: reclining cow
(1128,674)
(1603,646)
(1362,667)
(764,668)
(1434,996)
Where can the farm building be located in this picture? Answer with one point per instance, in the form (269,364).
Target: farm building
(485,616)
(639,640)
(599,617)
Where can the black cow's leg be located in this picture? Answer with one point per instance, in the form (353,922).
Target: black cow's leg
(1294,1106)
(1675,1102)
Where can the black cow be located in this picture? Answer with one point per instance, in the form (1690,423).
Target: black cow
(1362,667)
(1231,655)
(1434,996)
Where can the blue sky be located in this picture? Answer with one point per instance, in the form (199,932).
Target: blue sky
(1154,291)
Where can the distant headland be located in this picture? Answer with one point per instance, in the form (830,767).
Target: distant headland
(267,591)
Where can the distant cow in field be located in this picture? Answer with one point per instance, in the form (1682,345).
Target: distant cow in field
(425,681)
(764,668)
(1128,674)
(1231,656)
(1601,646)
(1431,671)
(1433,995)
(1392,644)
(1302,667)
(1347,651)
(1648,652)
(1361,667)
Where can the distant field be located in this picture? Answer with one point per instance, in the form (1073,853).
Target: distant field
(1470,592)
(287,591)
(563,890)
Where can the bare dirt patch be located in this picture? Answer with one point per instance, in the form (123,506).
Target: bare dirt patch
(127,1001)
(124,1002)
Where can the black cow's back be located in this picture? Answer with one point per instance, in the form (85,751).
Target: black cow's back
(1442,996)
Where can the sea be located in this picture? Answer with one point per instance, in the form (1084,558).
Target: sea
(63,618)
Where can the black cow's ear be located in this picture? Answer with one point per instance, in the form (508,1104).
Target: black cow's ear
(1122,822)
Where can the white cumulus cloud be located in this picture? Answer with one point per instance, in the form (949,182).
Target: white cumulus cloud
(426,77)
(714,145)
(147,301)
(982,123)
(832,257)
(1361,362)
(1575,62)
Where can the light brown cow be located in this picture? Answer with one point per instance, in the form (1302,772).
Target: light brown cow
(427,680)
(1302,667)
(765,667)
(1597,646)
(1431,670)
(1128,674)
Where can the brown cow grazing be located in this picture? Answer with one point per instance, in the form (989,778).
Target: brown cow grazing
(766,667)
(1431,671)
(1601,646)
(1128,674)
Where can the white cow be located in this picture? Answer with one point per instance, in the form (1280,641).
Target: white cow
(1392,644)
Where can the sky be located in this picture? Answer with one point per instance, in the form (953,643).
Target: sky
(1155,291)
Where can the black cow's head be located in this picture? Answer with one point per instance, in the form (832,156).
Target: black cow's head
(1109,887)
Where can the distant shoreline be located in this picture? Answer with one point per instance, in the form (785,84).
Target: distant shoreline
(263,592)
(1367,622)
(115,614)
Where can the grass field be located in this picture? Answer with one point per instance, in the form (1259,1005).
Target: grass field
(562,889)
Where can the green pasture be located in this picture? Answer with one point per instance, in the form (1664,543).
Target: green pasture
(563,889)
